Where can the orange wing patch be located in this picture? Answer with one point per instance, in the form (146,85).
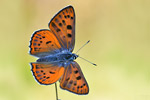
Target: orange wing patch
(73,80)
(43,42)
(47,73)
(63,26)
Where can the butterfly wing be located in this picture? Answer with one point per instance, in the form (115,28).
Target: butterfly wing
(63,26)
(73,80)
(47,73)
(44,42)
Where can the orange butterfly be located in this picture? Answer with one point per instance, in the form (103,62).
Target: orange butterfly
(54,48)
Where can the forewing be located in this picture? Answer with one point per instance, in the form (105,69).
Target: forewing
(63,26)
(73,80)
(43,43)
(47,73)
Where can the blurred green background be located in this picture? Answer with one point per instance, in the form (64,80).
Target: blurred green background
(119,31)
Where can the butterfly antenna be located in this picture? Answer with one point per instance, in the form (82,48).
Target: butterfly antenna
(88,61)
(83,46)
(56,91)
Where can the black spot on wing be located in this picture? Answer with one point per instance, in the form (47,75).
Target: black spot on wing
(38,34)
(53,24)
(37,67)
(66,10)
(63,21)
(69,27)
(60,24)
(47,77)
(75,84)
(65,16)
(67,79)
(69,35)
(48,42)
(51,72)
(76,71)
(58,30)
(68,16)
(35,48)
(35,40)
(84,84)
(37,72)
(59,16)
(39,75)
(34,44)
(56,20)
(78,78)
(71,82)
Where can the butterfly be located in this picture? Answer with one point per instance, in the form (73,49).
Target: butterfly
(54,47)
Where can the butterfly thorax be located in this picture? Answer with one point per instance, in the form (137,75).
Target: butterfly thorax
(60,57)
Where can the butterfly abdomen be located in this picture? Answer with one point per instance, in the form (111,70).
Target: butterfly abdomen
(47,59)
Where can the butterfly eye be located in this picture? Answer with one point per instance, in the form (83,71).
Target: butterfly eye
(74,57)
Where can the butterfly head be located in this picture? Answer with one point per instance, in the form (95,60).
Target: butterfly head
(74,56)
(71,57)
